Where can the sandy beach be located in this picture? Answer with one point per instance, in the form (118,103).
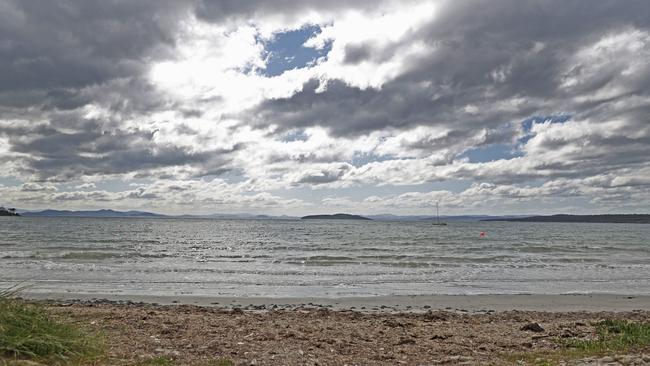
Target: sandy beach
(410,330)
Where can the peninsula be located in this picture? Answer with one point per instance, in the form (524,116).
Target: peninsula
(338,216)
(614,219)
(8,212)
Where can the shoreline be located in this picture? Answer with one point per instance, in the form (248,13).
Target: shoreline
(381,304)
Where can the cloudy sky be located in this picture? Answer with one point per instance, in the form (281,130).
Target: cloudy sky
(489,107)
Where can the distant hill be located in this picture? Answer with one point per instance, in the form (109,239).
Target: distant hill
(8,212)
(614,219)
(240,216)
(96,213)
(339,216)
(639,219)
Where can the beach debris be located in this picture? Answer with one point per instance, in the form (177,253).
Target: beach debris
(436,315)
(533,327)
(568,333)
(167,352)
(405,341)
(439,337)
(392,323)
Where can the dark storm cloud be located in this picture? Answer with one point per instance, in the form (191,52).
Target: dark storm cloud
(324,175)
(220,10)
(347,110)
(472,39)
(354,54)
(480,54)
(70,150)
(56,57)
(487,66)
(73,44)
(359,52)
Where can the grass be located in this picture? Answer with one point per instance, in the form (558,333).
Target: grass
(615,335)
(612,336)
(27,331)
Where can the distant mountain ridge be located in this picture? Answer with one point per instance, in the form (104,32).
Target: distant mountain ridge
(96,213)
(339,216)
(108,213)
(609,218)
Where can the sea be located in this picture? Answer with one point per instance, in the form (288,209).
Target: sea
(320,258)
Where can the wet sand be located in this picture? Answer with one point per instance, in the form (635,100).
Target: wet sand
(419,303)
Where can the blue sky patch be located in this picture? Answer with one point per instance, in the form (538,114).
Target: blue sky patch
(9,181)
(286,51)
(527,124)
(488,153)
(297,135)
(363,159)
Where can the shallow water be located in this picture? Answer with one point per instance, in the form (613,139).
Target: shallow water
(323,258)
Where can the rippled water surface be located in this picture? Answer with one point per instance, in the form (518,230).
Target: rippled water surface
(321,257)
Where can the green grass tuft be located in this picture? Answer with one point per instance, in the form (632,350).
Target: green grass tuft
(614,335)
(611,336)
(27,331)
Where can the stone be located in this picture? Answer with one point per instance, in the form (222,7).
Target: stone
(533,327)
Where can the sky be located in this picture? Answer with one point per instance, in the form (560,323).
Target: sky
(282,107)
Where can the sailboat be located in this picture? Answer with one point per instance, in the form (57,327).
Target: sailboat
(438,223)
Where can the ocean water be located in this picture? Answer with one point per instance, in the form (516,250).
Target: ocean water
(323,258)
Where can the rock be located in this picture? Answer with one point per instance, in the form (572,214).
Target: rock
(167,352)
(533,327)
(405,341)
(458,360)
(646,358)
(439,337)
(392,323)
(568,333)
(436,315)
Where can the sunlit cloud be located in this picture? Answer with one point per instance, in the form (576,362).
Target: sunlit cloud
(284,107)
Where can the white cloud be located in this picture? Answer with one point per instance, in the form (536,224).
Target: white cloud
(405,92)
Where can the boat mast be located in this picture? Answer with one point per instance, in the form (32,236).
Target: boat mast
(437,214)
